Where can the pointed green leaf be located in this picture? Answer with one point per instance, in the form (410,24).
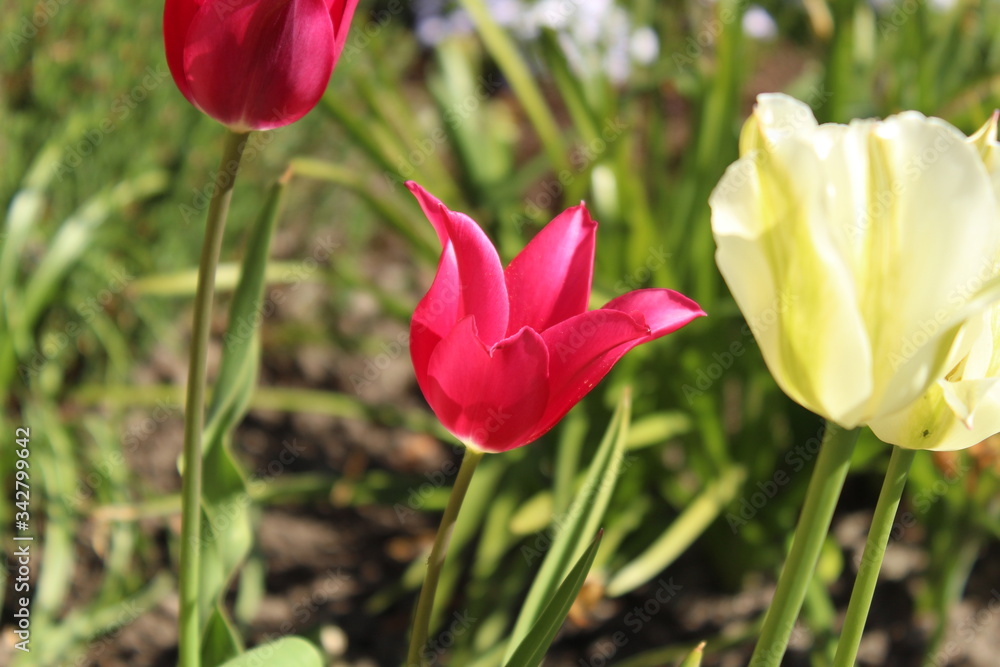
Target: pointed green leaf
(694,658)
(579,522)
(227,529)
(532,648)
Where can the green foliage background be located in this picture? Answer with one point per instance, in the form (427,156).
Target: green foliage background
(102,171)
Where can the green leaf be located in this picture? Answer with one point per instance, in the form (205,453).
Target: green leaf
(694,658)
(532,648)
(286,652)
(685,529)
(579,522)
(220,641)
(75,234)
(227,529)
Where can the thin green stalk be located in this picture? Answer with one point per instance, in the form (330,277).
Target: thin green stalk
(189,629)
(821,499)
(871,560)
(425,605)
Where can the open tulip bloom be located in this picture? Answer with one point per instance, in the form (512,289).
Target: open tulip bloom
(501,355)
(870,250)
(871,244)
(254,64)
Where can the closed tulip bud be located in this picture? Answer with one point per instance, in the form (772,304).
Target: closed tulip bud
(502,354)
(254,64)
(858,252)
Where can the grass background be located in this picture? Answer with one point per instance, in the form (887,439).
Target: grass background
(103,166)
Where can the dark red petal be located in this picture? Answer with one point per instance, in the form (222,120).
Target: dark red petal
(549,281)
(177,17)
(491,399)
(259,64)
(480,274)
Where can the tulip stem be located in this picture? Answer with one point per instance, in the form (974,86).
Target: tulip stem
(435,562)
(871,560)
(189,629)
(821,499)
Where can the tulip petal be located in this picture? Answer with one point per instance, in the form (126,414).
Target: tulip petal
(435,315)
(483,291)
(962,409)
(259,64)
(177,18)
(341,14)
(489,398)
(921,172)
(549,281)
(787,270)
(662,310)
(584,348)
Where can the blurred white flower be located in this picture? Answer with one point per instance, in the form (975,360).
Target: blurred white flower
(645,46)
(593,34)
(758,24)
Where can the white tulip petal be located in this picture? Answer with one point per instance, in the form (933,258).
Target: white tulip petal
(880,241)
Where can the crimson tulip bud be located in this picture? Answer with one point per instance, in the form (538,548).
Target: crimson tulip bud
(254,64)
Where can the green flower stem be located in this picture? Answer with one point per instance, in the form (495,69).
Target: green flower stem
(189,630)
(814,523)
(425,605)
(871,561)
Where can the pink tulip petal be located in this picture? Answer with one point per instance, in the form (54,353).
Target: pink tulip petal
(436,212)
(177,17)
(480,274)
(583,349)
(435,315)
(341,14)
(259,64)
(662,310)
(491,399)
(549,281)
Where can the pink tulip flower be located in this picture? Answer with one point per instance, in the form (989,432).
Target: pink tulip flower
(254,64)
(501,355)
